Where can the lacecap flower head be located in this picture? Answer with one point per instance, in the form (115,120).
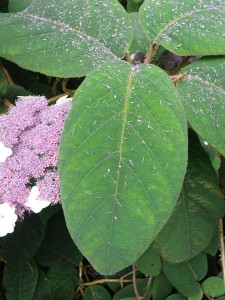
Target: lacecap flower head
(29,148)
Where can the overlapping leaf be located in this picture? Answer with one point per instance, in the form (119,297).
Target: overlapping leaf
(125,135)
(185,27)
(197,211)
(65,39)
(203,95)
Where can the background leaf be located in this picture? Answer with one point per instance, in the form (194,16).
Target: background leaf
(140,41)
(18,5)
(96,292)
(161,287)
(58,249)
(23,243)
(20,280)
(213,287)
(186,28)
(149,263)
(65,39)
(197,211)
(123,138)
(203,95)
(184,275)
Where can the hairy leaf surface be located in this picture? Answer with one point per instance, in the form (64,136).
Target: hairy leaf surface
(203,96)
(122,140)
(65,39)
(185,27)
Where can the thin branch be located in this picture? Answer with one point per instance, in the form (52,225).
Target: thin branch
(101,281)
(222,250)
(137,296)
(149,54)
(178,77)
(180,66)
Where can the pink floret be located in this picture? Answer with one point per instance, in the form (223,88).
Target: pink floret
(32,130)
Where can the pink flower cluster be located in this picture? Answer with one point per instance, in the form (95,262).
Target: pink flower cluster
(29,139)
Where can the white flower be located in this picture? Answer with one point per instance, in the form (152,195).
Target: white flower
(4,152)
(34,202)
(7,219)
(63,100)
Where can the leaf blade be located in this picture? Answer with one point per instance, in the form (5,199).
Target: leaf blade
(116,148)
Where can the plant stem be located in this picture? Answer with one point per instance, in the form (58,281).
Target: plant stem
(148,291)
(149,54)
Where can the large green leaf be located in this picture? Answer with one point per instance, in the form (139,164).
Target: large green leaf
(197,211)
(186,28)
(203,95)
(65,39)
(122,141)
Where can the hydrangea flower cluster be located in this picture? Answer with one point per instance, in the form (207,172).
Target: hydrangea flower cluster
(29,148)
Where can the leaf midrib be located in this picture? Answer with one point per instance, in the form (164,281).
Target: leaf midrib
(63,25)
(128,90)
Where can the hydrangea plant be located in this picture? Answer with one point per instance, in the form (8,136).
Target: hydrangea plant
(29,146)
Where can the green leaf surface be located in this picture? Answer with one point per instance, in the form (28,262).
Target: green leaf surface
(197,211)
(140,41)
(122,140)
(18,5)
(213,287)
(65,39)
(176,297)
(62,283)
(161,287)
(184,276)
(96,292)
(198,296)
(20,281)
(58,250)
(43,288)
(23,243)
(203,95)
(149,263)
(128,291)
(213,246)
(186,28)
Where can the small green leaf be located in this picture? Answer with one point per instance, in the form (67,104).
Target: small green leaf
(65,39)
(213,287)
(175,297)
(214,243)
(96,292)
(191,28)
(184,275)
(161,287)
(122,140)
(197,211)
(128,291)
(20,280)
(198,296)
(203,95)
(58,250)
(23,243)
(149,263)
